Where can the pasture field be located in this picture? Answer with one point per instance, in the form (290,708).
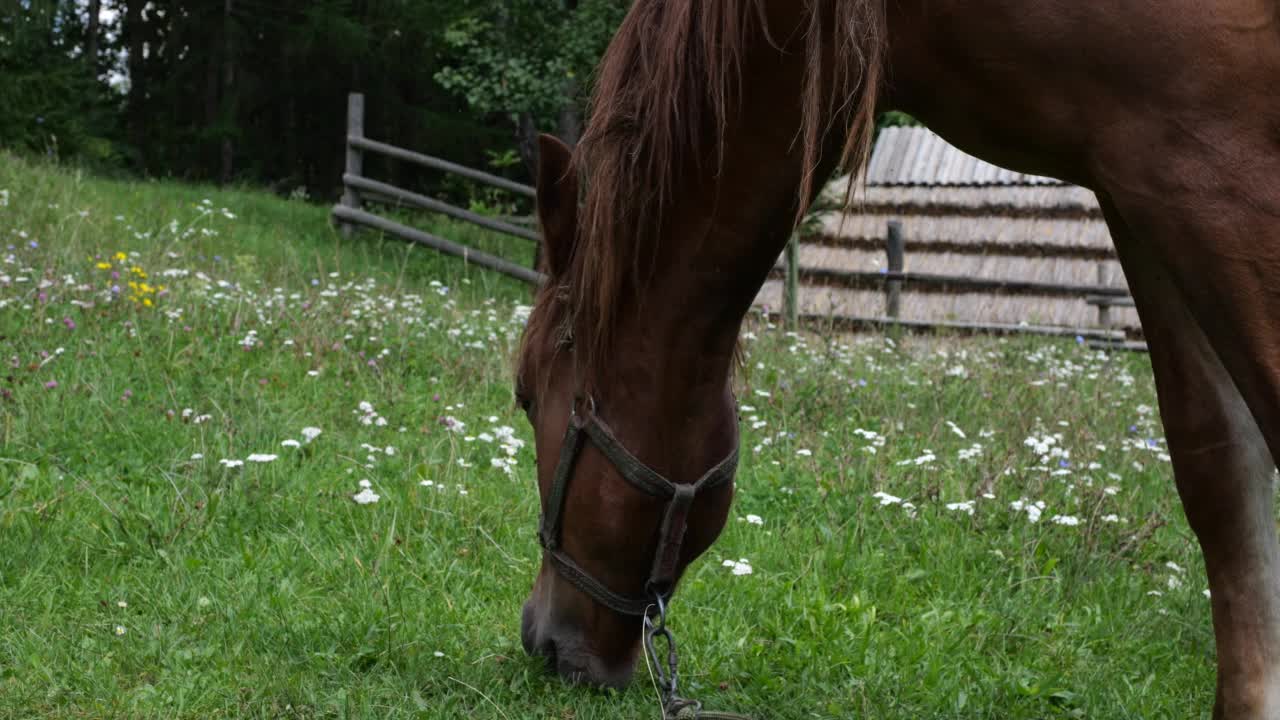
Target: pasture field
(934,528)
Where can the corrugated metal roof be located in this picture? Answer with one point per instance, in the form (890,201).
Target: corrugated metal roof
(916,156)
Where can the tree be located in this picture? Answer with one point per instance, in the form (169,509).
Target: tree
(254,90)
(92,31)
(50,102)
(526,61)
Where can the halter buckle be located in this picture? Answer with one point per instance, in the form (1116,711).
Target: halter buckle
(588,400)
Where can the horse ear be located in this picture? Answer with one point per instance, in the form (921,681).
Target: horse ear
(557,203)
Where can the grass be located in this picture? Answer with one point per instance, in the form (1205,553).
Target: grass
(140,577)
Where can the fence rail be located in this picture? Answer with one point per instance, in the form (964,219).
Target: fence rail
(855,279)
(360,142)
(477,257)
(1097,337)
(895,279)
(394,194)
(357,189)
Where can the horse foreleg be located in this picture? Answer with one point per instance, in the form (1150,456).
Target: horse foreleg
(1224,472)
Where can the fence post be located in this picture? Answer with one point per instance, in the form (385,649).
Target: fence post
(355,157)
(791,293)
(896,248)
(1104,280)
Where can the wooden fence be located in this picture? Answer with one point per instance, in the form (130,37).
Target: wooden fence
(357,189)
(1102,296)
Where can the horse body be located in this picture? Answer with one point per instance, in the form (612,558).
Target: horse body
(1167,110)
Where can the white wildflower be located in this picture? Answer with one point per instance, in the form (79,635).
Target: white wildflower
(925,459)
(887,499)
(1033,510)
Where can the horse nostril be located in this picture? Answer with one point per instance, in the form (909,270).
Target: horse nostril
(528,630)
(547,649)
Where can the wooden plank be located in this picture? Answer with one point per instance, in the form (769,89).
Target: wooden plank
(930,282)
(978,246)
(791,291)
(1102,301)
(442,165)
(1128,345)
(1104,309)
(849,322)
(448,247)
(897,252)
(425,203)
(355,159)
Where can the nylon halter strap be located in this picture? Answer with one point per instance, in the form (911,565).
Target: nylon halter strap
(675,521)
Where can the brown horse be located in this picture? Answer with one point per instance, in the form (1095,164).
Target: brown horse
(713,124)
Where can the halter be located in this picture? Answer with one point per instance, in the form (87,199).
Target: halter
(678,499)
(652,605)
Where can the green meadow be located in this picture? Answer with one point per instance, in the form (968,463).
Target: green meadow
(250,468)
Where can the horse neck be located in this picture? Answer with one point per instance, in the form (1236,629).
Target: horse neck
(729,218)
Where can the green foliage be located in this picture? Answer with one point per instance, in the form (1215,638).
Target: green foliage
(258,95)
(267,82)
(896,118)
(50,101)
(527,56)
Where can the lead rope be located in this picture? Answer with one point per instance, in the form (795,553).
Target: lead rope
(674,707)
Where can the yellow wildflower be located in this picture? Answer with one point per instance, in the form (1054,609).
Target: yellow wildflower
(121,257)
(147,302)
(104,266)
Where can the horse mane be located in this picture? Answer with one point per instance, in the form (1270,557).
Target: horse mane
(663,93)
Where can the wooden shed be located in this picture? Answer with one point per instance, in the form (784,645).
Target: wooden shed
(963,217)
